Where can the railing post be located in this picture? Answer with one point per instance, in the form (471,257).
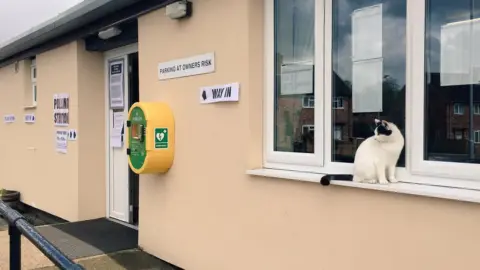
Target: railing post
(17,225)
(15,247)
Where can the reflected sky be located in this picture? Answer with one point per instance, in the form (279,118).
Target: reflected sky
(441,12)
(295,26)
(394,37)
(297,22)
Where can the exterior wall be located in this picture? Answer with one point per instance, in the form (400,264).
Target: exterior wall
(206,213)
(43,176)
(92,138)
(46,179)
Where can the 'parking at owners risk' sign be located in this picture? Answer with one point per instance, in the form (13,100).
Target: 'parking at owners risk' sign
(199,64)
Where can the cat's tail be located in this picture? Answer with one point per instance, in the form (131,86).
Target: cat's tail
(325,180)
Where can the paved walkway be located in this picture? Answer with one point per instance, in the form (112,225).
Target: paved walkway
(31,257)
(130,259)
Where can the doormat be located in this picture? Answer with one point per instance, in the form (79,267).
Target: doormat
(90,238)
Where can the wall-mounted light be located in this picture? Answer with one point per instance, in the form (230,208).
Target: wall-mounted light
(109,33)
(179,9)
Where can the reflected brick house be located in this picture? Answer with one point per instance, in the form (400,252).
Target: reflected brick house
(450,119)
(295,121)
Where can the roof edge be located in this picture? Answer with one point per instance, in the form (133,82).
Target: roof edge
(81,14)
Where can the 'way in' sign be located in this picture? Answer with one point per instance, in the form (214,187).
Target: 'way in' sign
(220,93)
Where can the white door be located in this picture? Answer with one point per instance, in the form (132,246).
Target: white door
(118,176)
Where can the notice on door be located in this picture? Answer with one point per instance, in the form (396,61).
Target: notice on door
(117,130)
(116,84)
(199,64)
(61,105)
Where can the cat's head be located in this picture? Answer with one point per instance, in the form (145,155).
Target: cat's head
(386,131)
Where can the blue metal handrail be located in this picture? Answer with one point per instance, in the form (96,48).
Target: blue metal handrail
(18,225)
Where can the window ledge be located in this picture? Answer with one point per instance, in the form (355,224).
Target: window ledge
(30,107)
(458,194)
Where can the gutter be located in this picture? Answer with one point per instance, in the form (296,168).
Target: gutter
(75,17)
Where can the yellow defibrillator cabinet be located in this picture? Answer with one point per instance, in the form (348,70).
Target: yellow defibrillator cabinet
(151,137)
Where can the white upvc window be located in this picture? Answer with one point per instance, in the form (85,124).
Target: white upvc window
(337,103)
(476,108)
(375,58)
(337,133)
(476,136)
(33,76)
(307,129)
(458,108)
(308,102)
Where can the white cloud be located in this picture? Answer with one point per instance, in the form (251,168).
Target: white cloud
(18,16)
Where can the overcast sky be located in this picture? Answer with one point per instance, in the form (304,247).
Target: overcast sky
(18,16)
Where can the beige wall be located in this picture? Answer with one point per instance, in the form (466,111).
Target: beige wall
(46,179)
(91,124)
(206,213)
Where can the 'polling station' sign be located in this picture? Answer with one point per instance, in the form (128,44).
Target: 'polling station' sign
(61,105)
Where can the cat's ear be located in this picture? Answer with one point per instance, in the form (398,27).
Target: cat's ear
(377,121)
(387,124)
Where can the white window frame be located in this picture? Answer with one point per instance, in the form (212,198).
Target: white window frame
(33,78)
(338,128)
(476,108)
(285,160)
(336,101)
(309,101)
(453,174)
(475,134)
(458,108)
(416,170)
(455,134)
(309,127)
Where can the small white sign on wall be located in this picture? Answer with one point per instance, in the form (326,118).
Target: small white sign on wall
(220,93)
(9,118)
(199,64)
(61,136)
(29,118)
(72,134)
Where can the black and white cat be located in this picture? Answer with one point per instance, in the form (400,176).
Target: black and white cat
(376,157)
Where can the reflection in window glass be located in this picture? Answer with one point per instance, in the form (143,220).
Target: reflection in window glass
(294,75)
(452,68)
(368,71)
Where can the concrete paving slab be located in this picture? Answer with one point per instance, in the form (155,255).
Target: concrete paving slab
(131,259)
(31,257)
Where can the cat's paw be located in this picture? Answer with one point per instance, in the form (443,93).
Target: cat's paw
(383,182)
(392,179)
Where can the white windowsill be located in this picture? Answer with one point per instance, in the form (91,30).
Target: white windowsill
(458,194)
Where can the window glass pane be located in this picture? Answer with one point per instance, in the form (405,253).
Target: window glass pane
(452,67)
(368,78)
(34,94)
(294,75)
